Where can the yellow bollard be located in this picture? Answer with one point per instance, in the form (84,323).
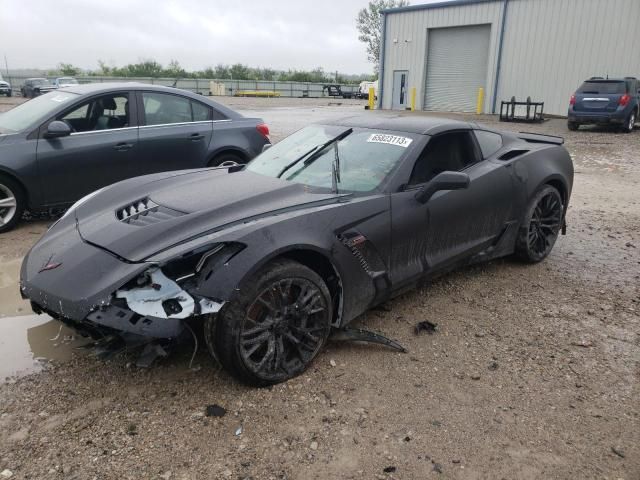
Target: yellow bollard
(480,104)
(413,99)
(372,98)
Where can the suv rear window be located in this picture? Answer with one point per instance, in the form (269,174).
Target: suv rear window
(603,87)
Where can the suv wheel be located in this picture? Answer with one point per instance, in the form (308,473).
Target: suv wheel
(631,121)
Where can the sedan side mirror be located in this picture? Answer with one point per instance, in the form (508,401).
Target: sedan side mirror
(443,181)
(57,129)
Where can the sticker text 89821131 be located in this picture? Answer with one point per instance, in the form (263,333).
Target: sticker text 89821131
(403,142)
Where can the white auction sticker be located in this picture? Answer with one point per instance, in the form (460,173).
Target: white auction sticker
(403,142)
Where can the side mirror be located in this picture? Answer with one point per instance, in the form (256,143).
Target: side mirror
(57,129)
(443,181)
(266,147)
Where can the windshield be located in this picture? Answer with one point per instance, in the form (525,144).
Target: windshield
(40,81)
(33,111)
(603,87)
(68,81)
(365,158)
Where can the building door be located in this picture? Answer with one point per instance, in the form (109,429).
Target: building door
(457,60)
(400,89)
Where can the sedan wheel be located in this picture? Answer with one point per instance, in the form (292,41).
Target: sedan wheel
(275,328)
(542,224)
(11,204)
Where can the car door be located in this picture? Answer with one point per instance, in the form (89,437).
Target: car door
(175,132)
(100,150)
(453,224)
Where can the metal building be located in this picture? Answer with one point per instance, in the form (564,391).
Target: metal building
(541,49)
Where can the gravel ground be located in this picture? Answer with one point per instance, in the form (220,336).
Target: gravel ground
(533,372)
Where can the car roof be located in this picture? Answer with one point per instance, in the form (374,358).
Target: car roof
(420,124)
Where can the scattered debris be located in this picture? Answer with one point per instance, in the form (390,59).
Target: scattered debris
(493,366)
(583,344)
(361,335)
(618,451)
(456,461)
(437,467)
(629,245)
(132,429)
(150,354)
(426,326)
(480,334)
(314,445)
(475,376)
(389,469)
(215,411)
(332,362)
(238,431)
(6,473)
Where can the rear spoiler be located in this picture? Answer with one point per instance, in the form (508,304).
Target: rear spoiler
(538,138)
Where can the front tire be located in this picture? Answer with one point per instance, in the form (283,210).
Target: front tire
(12,203)
(275,327)
(541,225)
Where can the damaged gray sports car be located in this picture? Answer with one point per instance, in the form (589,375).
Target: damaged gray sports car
(326,224)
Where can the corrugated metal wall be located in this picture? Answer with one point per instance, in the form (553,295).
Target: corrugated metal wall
(550,46)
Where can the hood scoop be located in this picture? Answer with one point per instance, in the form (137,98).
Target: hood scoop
(145,212)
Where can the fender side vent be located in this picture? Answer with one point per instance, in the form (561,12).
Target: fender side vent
(512,154)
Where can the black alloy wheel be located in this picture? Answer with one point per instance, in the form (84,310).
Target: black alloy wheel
(276,327)
(542,224)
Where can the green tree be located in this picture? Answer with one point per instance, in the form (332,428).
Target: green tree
(68,69)
(369,25)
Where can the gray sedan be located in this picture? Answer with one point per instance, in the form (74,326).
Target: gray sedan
(61,146)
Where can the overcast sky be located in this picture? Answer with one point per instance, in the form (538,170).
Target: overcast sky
(281,34)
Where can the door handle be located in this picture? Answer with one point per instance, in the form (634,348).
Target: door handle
(123,146)
(194,137)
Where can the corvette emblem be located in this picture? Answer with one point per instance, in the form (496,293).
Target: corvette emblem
(49,266)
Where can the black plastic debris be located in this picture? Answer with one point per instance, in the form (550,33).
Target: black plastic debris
(150,354)
(437,468)
(215,411)
(426,326)
(389,469)
(618,451)
(366,336)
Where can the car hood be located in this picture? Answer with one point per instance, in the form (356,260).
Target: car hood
(2,82)
(141,217)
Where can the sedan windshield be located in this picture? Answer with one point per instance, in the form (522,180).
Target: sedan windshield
(361,160)
(33,111)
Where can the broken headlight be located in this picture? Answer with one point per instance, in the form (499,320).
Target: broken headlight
(191,263)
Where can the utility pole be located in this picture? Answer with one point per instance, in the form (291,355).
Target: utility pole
(6,65)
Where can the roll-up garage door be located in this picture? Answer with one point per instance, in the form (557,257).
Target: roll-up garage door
(457,60)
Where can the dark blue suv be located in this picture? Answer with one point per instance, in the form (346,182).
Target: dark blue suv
(610,101)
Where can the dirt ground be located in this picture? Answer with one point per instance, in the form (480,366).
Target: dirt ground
(533,372)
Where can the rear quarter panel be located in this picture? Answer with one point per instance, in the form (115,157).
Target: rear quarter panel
(239,135)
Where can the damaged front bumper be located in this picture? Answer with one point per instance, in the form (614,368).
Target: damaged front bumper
(99,294)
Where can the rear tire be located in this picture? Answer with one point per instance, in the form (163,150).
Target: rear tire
(541,225)
(275,327)
(12,203)
(227,160)
(630,123)
(573,126)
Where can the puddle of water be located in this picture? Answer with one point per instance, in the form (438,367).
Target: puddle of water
(28,342)
(10,301)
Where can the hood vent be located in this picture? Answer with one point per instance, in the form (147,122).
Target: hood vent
(145,212)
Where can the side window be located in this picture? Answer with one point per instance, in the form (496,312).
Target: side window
(489,142)
(452,151)
(200,112)
(162,108)
(217,115)
(103,113)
